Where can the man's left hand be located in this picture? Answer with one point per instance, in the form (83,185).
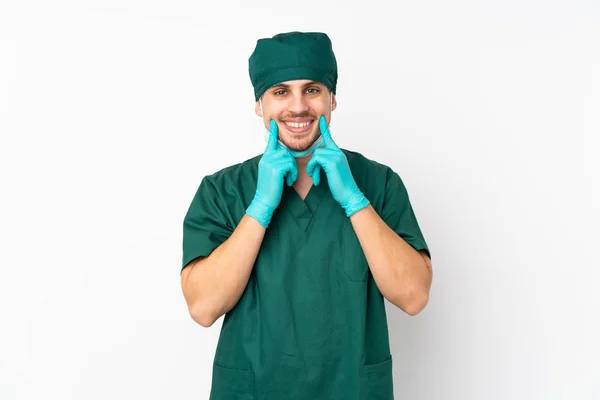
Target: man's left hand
(335,164)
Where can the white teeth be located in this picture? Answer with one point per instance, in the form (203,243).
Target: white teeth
(297,125)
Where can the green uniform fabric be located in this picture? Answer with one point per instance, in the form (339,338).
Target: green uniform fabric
(311,323)
(292,55)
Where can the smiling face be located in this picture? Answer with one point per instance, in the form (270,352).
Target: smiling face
(296,107)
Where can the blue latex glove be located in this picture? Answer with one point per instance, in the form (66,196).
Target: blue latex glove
(335,164)
(276,164)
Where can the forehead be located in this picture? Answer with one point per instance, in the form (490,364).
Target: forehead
(297,83)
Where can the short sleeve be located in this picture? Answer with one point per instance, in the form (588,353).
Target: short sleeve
(398,214)
(205,226)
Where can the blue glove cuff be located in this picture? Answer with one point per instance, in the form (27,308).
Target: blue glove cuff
(260,212)
(356,202)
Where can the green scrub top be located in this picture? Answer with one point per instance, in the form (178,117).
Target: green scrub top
(311,323)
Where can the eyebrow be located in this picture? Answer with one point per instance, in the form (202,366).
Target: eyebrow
(286,86)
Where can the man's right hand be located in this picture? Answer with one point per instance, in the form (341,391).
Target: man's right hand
(276,164)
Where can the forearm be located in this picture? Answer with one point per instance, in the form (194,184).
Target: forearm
(212,286)
(400,272)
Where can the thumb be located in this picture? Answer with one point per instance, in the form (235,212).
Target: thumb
(316,175)
(313,169)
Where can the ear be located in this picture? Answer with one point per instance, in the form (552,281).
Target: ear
(257,109)
(333,102)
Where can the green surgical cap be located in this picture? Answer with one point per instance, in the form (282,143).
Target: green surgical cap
(290,56)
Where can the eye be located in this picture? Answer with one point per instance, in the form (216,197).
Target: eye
(312,90)
(279,92)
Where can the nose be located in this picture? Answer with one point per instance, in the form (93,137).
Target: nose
(298,104)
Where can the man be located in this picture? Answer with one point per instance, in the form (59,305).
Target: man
(298,247)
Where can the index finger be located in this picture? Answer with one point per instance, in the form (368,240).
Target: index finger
(273,139)
(326,134)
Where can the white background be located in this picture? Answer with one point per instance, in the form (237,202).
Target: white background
(111,112)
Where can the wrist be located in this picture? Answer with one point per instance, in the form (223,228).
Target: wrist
(260,212)
(356,202)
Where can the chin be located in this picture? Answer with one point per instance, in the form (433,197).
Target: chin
(299,144)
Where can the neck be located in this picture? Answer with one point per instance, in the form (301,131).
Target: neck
(303,161)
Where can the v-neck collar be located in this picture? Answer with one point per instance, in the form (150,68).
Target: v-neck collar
(303,211)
